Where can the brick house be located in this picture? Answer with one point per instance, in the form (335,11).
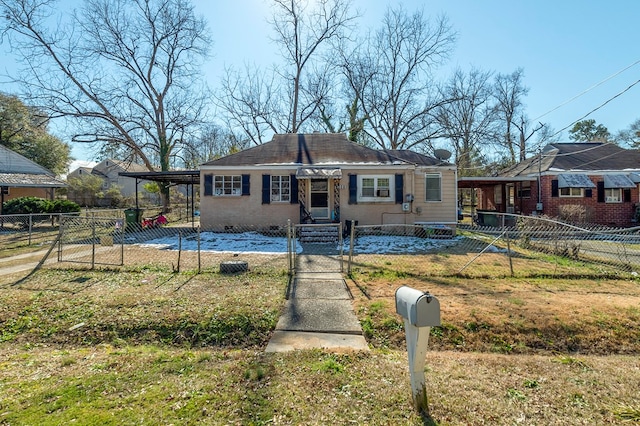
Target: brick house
(594,182)
(325,178)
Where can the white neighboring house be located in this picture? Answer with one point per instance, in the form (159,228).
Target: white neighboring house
(109,171)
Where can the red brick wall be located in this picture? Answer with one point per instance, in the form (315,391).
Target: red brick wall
(611,214)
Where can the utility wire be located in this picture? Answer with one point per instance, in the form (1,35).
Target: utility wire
(597,108)
(587,90)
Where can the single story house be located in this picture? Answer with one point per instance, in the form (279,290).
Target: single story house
(109,171)
(21,177)
(325,178)
(593,182)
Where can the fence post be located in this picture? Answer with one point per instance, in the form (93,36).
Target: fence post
(93,242)
(30,226)
(289,247)
(179,250)
(506,235)
(351,239)
(60,236)
(341,247)
(199,259)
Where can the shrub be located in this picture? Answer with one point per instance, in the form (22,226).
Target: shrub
(27,205)
(64,206)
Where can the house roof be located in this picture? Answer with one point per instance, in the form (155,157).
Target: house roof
(111,165)
(18,171)
(318,149)
(585,156)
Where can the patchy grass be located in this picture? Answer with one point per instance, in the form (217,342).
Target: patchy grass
(523,316)
(149,346)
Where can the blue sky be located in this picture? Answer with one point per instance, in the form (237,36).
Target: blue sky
(566,47)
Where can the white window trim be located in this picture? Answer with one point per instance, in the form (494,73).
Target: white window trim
(570,194)
(609,199)
(279,196)
(374,199)
(219,192)
(426,175)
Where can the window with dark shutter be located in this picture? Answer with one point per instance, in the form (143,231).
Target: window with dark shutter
(353,189)
(554,188)
(600,186)
(294,189)
(266,189)
(208,184)
(245,184)
(399,188)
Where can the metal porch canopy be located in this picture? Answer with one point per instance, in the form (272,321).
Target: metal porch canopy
(476,181)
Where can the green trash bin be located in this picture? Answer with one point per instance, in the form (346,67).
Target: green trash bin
(133,217)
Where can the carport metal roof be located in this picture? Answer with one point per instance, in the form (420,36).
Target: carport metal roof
(177,177)
(476,181)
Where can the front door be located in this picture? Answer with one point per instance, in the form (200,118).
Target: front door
(319,198)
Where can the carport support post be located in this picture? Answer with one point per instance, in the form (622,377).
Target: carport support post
(417,342)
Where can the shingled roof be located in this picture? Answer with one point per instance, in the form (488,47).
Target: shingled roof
(585,156)
(18,171)
(317,149)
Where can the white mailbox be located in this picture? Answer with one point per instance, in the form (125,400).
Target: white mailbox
(419,308)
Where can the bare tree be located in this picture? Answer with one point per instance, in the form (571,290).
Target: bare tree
(251,103)
(390,74)
(213,142)
(287,98)
(469,121)
(302,34)
(125,71)
(509,91)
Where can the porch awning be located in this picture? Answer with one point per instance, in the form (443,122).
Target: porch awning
(574,181)
(618,181)
(318,173)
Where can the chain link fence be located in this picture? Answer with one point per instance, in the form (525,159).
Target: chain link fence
(20,230)
(527,247)
(522,247)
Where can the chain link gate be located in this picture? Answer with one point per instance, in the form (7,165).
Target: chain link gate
(315,248)
(92,240)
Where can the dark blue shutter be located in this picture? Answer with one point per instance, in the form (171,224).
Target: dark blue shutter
(208,184)
(626,195)
(600,192)
(353,189)
(294,189)
(245,184)
(588,193)
(399,187)
(554,188)
(266,189)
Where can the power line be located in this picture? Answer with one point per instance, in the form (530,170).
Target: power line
(597,108)
(588,90)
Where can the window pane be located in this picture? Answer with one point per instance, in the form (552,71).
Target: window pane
(432,183)
(280,188)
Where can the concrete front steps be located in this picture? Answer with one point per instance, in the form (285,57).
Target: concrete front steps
(319,234)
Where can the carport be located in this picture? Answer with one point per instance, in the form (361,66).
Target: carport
(189,178)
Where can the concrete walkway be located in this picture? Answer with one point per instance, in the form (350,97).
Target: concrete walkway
(319,312)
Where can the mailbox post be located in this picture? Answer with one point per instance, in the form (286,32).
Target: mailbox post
(420,311)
